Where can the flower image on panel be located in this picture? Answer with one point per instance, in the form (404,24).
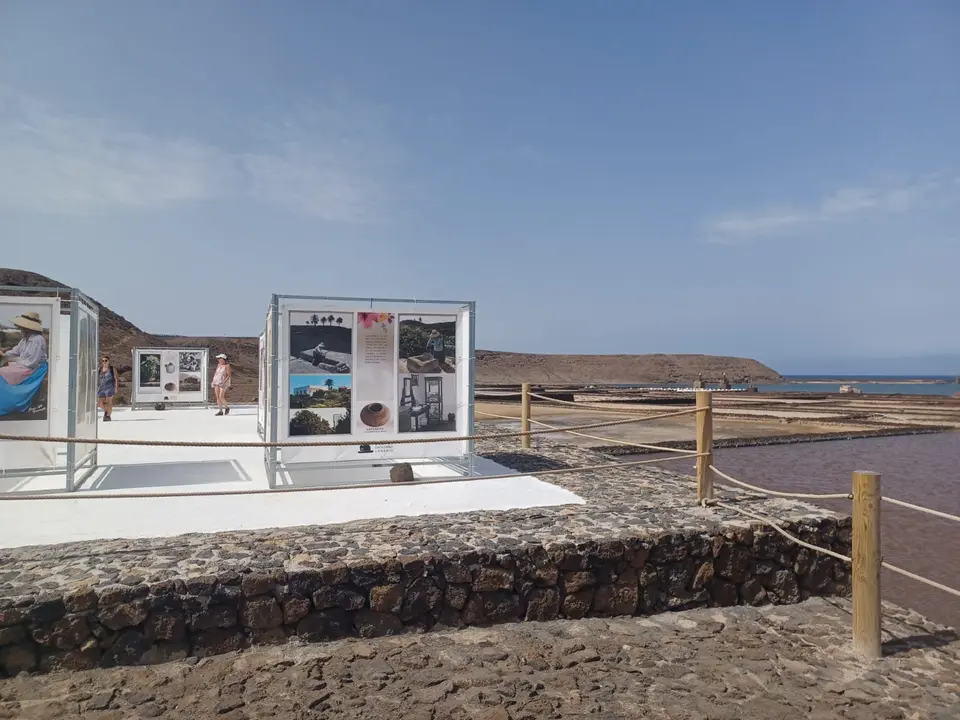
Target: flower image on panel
(320,404)
(321,342)
(149,370)
(24,361)
(428,344)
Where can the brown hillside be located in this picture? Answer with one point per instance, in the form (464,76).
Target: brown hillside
(507,368)
(118,337)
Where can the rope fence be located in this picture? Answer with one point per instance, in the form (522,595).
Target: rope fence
(865,559)
(332,443)
(778,493)
(573,431)
(920,508)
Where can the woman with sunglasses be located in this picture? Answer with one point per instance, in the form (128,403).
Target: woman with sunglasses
(108,383)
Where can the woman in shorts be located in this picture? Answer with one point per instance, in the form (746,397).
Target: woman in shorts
(221,383)
(107,384)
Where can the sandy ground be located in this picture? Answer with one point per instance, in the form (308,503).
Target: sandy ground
(655,431)
(740,416)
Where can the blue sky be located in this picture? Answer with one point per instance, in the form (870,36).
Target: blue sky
(776,180)
(299,381)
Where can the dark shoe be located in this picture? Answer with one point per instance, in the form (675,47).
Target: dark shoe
(219,413)
(106,418)
(227,411)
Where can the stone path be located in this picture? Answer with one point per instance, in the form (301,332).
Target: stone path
(741,663)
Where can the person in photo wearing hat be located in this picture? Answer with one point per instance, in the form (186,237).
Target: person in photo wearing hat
(221,383)
(21,361)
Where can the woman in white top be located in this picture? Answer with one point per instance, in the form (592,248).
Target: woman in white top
(26,356)
(221,383)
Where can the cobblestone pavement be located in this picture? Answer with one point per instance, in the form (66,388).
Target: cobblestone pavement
(621,502)
(773,663)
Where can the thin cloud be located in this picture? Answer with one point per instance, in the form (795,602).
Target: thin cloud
(52,162)
(739,227)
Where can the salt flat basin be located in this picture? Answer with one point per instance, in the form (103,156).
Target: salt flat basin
(158,472)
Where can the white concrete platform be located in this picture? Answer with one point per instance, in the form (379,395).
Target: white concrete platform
(177,484)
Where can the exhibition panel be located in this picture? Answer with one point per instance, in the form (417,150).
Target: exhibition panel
(171,376)
(48,360)
(371,370)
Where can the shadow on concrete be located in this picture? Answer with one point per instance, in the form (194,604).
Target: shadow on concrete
(169,475)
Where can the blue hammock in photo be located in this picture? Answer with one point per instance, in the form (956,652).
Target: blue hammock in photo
(18,398)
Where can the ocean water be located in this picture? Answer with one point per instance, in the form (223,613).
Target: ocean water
(870,385)
(945,385)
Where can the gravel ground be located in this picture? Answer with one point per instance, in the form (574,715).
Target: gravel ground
(717,664)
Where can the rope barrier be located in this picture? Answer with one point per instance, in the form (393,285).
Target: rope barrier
(661,448)
(422,481)
(920,508)
(772,524)
(333,443)
(586,405)
(920,578)
(778,493)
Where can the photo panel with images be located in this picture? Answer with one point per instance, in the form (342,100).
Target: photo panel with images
(25,365)
(321,342)
(428,344)
(320,405)
(375,410)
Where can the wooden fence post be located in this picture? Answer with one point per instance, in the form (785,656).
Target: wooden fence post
(866,564)
(704,444)
(525,416)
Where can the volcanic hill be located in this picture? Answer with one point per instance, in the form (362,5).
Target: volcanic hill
(118,337)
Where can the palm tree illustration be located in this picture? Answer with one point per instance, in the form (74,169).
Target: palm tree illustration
(329,383)
(315,320)
(339,321)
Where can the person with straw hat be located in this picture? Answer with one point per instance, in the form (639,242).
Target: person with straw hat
(21,361)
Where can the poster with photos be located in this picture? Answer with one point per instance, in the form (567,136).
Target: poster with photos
(427,382)
(370,376)
(174,375)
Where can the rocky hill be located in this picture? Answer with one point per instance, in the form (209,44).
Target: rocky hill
(118,337)
(513,368)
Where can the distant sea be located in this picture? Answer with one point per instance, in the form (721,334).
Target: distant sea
(869,384)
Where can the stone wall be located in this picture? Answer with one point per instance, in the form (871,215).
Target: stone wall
(141,623)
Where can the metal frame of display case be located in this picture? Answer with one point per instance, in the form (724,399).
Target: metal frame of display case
(137,402)
(463,463)
(77,469)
